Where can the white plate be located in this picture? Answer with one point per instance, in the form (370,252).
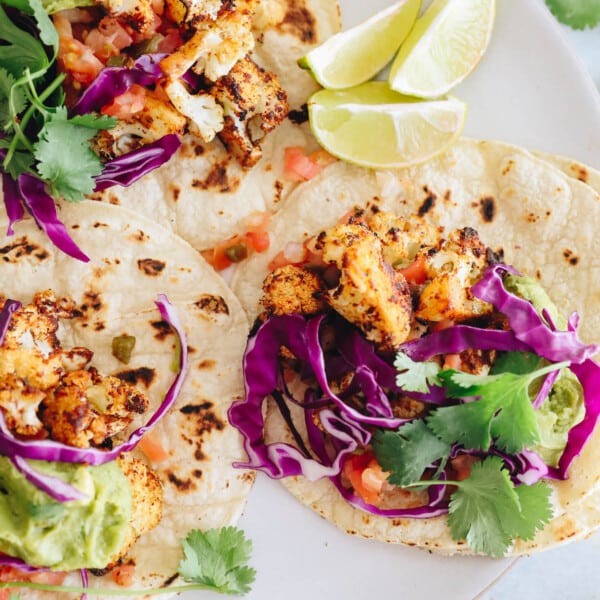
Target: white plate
(530,89)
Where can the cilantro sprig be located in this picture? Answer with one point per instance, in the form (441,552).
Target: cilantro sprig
(38,136)
(214,560)
(577,14)
(487,508)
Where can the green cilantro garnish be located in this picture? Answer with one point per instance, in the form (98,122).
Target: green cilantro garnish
(577,14)
(415,376)
(213,560)
(216,559)
(408,451)
(489,511)
(503,413)
(32,113)
(486,509)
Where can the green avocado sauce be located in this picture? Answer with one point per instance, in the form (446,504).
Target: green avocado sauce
(564,407)
(64,536)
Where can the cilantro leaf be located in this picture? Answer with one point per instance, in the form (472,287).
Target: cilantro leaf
(21,50)
(216,558)
(517,362)
(415,376)
(93,121)
(473,512)
(503,412)
(408,451)
(19,99)
(490,512)
(69,173)
(577,14)
(48,33)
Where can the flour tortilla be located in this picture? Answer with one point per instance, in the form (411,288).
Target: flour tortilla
(545,223)
(132,261)
(202,193)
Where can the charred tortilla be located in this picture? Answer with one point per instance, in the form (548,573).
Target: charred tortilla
(133,260)
(538,218)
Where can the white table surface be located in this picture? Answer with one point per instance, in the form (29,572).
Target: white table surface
(571,572)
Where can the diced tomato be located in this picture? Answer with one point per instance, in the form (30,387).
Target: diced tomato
(443,324)
(170,42)
(259,241)
(220,257)
(74,56)
(298,166)
(13,574)
(365,475)
(294,253)
(150,445)
(452,361)
(416,272)
(127,104)
(462,465)
(100,45)
(123,574)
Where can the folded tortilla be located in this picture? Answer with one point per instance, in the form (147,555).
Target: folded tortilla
(202,193)
(132,260)
(541,218)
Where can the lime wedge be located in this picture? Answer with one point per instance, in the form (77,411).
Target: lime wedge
(373,126)
(357,54)
(444,46)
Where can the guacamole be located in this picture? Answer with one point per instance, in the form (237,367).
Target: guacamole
(70,535)
(564,407)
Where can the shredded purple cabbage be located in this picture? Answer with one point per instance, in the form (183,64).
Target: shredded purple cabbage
(114,81)
(84,583)
(12,202)
(43,209)
(130,167)
(462,337)
(10,306)
(55,487)
(57,452)
(528,326)
(21,565)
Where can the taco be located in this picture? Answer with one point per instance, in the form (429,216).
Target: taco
(204,194)
(381,308)
(125,84)
(132,394)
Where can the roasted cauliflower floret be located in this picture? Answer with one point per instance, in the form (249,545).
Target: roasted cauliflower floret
(453,269)
(205,115)
(86,409)
(290,290)
(191,11)
(146,499)
(19,404)
(369,294)
(402,238)
(148,125)
(215,46)
(137,14)
(253,104)
(268,14)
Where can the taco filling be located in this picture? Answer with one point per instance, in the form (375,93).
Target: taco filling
(421,375)
(73,495)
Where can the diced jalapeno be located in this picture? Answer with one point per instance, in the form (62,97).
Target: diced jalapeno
(237,253)
(122,347)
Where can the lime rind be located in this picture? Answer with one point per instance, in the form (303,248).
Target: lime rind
(359,53)
(388,132)
(444,46)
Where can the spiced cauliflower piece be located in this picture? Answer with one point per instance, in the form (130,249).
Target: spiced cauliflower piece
(453,269)
(146,500)
(86,409)
(155,120)
(137,14)
(402,238)
(254,103)
(292,290)
(216,45)
(190,11)
(370,294)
